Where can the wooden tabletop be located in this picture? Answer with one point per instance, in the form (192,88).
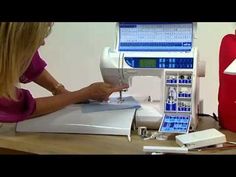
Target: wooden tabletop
(12,142)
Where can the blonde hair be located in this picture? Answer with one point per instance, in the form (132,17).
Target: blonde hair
(18,43)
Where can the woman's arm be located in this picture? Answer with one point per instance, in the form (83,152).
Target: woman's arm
(51,104)
(46,80)
(98,91)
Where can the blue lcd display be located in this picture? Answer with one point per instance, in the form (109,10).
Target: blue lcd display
(155,36)
(175,124)
(158,62)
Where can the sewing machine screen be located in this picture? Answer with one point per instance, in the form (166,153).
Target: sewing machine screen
(175,124)
(155,36)
(147,63)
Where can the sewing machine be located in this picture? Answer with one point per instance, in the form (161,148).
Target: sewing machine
(162,50)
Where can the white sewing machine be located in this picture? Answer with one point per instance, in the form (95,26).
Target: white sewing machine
(162,50)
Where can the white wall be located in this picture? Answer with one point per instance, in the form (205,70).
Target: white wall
(209,37)
(73,50)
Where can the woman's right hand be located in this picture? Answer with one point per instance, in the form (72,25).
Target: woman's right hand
(101,91)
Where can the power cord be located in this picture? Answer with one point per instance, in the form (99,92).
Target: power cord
(208,115)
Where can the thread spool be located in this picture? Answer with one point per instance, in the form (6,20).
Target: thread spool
(142,131)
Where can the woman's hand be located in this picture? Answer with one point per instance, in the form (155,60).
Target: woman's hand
(101,91)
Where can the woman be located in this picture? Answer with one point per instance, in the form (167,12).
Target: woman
(20,62)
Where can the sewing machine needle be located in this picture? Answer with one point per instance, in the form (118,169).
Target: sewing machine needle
(120,96)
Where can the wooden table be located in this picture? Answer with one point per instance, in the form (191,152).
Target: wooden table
(12,142)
